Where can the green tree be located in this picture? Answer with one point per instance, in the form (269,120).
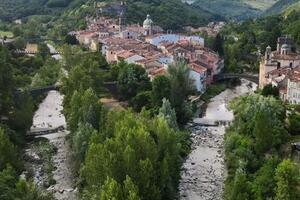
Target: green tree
(7,183)
(132,80)
(270,90)
(181,87)
(169,114)
(130,190)
(294,123)
(111,190)
(84,107)
(287,180)
(8,152)
(241,187)
(116,152)
(264,182)
(71,39)
(43,50)
(141,100)
(218,44)
(81,140)
(6,81)
(161,88)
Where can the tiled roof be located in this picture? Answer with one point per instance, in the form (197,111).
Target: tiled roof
(291,56)
(295,76)
(197,68)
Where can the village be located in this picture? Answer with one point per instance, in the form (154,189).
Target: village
(149,46)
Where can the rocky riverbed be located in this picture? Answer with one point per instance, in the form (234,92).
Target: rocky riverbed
(48,157)
(204,172)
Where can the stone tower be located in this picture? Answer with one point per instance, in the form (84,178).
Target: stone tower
(122,19)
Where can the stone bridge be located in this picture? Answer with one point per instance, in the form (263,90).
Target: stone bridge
(208,123)
(44,131)
(23,52)
(111,86)
(42,90)
(249,77)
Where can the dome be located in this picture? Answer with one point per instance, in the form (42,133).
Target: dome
(148,22)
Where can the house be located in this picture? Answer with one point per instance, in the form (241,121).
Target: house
(198,74)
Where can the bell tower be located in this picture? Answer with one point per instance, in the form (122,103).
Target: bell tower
(122,19)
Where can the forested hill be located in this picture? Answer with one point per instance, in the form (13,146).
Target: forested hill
(235,9)
(15,9)
(280,6)
(170,14)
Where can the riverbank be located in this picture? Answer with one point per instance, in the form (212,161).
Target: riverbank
(49,161)
(203,172)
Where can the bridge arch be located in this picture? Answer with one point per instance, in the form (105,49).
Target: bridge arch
(225,76)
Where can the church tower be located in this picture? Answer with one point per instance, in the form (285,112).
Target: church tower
(268,55)
(122,20)
(148,26)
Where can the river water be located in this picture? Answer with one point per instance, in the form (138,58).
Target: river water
(204,172)
(49,115)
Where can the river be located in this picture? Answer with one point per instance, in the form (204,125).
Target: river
(48,157)
(204,171)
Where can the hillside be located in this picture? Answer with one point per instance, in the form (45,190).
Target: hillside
(280,7)
(235,9)
(16,9)
(169,14)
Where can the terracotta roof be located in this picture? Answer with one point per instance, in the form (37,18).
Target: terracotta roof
(295,76)
(125,54)
(197,68)
(291,56)
(158,71)
(280,71)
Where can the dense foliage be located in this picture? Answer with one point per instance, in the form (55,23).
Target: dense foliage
(169,14)
(17,9)
(229,9)
(256,166)
(244,41)
(121,154)
(16,112)
(280,6)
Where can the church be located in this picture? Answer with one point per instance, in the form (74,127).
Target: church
(136,31)
(280,68)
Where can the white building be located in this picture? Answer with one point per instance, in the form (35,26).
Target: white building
(198,75)
(293,87)
(173,38)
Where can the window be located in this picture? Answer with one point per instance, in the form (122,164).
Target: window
(291,65)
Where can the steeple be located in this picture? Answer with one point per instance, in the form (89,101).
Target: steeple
(122,20)
(268,55)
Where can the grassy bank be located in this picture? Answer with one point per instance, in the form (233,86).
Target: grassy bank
(213,91)
(7,34)
(216,88)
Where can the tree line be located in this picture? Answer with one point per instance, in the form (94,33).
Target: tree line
(134,153)
(16,112)
(259,164)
